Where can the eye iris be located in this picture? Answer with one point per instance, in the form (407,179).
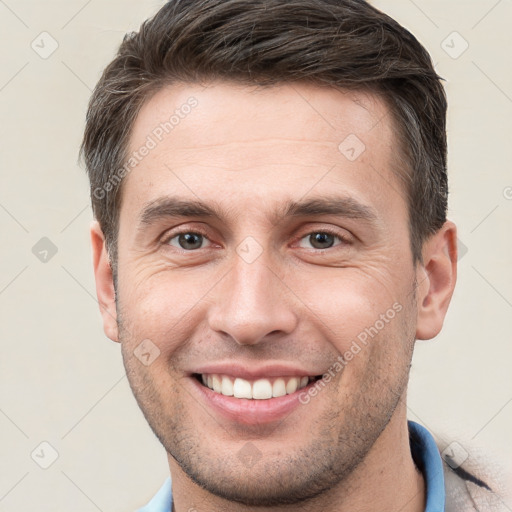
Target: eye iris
(190,240)
(324,239)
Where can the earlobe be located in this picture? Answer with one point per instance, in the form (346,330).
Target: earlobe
(104,282)
(436,280)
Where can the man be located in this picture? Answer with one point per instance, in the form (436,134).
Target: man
(269,185)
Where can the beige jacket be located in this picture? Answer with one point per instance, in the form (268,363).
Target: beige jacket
(476,485)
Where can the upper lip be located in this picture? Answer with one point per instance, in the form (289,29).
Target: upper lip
(251,372)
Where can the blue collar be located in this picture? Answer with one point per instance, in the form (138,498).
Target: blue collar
(427,458)
(424,453)
(162,500)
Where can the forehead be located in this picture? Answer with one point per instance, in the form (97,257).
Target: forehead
(267,141)
(225,112)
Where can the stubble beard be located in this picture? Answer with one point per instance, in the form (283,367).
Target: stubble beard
(339,439)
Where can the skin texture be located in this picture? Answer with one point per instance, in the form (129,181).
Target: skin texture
(247,151)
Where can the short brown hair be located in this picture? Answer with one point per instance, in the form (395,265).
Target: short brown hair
(343,43)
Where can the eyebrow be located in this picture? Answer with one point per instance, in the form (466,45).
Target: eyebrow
(333,205)
(170,207)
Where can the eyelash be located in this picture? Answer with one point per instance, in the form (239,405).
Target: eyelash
(343,239)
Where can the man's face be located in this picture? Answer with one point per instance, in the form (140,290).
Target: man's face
(266,288)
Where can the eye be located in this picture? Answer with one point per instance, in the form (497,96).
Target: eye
(187,240)
(321,240)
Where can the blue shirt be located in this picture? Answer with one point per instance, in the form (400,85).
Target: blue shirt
(424,452)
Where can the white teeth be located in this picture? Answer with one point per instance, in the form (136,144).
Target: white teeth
(242,388)
(279,388)
(292,385)
(261,389)
(217,383)
(227,386)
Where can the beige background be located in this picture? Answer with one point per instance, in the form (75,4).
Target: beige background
(62,381)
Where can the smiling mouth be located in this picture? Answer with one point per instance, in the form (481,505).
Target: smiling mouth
(259,389)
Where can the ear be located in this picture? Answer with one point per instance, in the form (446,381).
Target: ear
(436,280)
(104,282)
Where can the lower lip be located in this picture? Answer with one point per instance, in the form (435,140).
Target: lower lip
(251,412)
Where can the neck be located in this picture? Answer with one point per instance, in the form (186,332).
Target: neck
(387,479)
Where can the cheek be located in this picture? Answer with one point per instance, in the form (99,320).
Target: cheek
(163,308)
(378,361)
(347,305)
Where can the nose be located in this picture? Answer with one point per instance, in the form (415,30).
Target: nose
(252,303)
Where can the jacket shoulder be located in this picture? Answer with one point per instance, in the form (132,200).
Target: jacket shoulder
(474,481)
